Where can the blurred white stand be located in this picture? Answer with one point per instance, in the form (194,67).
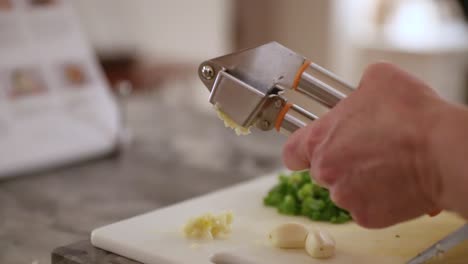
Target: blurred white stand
(443,69)
(417,39)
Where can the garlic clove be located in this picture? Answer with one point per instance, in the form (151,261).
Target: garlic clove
(320,244)
(289,235)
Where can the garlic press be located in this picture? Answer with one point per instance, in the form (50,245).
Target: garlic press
(271,87)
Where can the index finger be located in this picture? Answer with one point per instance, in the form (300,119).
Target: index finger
(298,150)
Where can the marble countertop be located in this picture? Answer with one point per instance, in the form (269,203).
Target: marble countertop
(180,150)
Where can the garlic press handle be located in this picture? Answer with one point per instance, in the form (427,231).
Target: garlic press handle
(323,89)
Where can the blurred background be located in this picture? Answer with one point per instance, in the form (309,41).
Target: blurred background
(426,37)
(173,146)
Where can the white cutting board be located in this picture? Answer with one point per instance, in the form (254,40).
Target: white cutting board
(156,238)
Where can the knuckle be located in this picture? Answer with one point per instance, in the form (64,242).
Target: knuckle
(289,150)
(361,220)
(292,158)
(365,218)
(324,167)
(311,144)
(360,211)
(377,72)
(342,198)
(327,176)
(379,68)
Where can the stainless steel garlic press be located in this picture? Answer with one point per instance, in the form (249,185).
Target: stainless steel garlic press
(271,87)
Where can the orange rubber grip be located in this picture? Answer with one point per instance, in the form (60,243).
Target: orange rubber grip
(281,115)
(297,78)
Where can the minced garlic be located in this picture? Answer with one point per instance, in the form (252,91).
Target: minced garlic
(209,226)
(228,122)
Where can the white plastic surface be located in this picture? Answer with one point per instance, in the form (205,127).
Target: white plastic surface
(155,237)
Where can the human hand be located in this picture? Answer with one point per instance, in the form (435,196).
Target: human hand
(372,151)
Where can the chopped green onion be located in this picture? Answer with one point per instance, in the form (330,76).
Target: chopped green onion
(298,194)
